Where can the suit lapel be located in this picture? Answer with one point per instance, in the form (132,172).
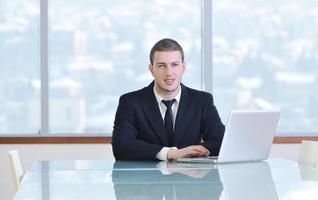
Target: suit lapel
(152,112)
(181,119)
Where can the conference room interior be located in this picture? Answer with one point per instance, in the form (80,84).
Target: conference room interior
(64,65)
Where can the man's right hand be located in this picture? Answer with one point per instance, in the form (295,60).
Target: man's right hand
(190,151)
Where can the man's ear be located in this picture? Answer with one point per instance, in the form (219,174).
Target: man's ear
(151,69)
(184,66)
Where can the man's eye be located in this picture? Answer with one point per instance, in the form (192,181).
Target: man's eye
(160,65)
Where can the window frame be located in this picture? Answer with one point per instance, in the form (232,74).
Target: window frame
(93,139)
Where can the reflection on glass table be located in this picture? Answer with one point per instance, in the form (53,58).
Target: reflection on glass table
(271,179)
(247,181)
(171,181)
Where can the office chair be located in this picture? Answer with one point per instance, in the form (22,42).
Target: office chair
(308,153)
(16,166)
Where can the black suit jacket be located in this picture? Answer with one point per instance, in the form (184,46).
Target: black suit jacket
(139,132)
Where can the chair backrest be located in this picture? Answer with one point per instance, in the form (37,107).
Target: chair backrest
(308,153)
(16,166)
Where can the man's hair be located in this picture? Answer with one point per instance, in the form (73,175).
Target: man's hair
(166,44)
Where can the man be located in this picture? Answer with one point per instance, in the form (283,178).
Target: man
(166,120)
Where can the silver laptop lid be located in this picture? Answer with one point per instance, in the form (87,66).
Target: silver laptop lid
(248,136)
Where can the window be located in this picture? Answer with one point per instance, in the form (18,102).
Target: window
(97,50)
(263,52)
(264,57)
(19,67)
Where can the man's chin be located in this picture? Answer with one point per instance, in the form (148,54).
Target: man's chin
(171,89)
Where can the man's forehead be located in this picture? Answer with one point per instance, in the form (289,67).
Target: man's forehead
(167,56)
(168,52)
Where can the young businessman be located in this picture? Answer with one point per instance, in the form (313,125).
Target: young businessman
(166,120)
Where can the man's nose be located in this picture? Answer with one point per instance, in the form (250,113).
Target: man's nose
(169,69)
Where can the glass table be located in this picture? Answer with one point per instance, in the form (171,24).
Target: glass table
(108,179)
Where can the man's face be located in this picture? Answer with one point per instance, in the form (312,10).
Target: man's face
(167,69)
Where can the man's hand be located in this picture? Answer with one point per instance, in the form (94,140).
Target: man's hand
(190,151)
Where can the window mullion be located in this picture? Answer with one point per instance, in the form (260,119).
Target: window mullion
(44,67)
(206,45)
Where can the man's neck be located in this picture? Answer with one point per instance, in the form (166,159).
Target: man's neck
(167,95)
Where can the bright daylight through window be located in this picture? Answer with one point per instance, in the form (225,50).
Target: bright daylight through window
(264,57)
(99,50)
(19,67)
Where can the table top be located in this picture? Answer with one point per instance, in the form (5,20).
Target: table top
(109,179)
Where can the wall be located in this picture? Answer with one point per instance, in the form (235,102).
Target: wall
(31,153)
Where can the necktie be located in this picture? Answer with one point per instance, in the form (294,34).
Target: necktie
(168,120)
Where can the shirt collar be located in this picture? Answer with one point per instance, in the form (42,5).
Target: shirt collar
(159,98)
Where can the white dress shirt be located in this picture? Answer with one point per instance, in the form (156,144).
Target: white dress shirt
(163,153)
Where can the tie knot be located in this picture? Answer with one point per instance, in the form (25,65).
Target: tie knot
(169,103)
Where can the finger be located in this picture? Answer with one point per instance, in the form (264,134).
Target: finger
(202,149)
(190,153)
(194,153)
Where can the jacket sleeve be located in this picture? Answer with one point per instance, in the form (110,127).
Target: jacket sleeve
(125,142)
(212,128)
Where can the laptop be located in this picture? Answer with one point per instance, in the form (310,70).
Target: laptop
(248,137)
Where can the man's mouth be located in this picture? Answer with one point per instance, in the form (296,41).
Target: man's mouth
(169,81)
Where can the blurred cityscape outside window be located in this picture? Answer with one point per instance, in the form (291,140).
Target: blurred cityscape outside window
(19,67)
(99,50)
(264,56)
